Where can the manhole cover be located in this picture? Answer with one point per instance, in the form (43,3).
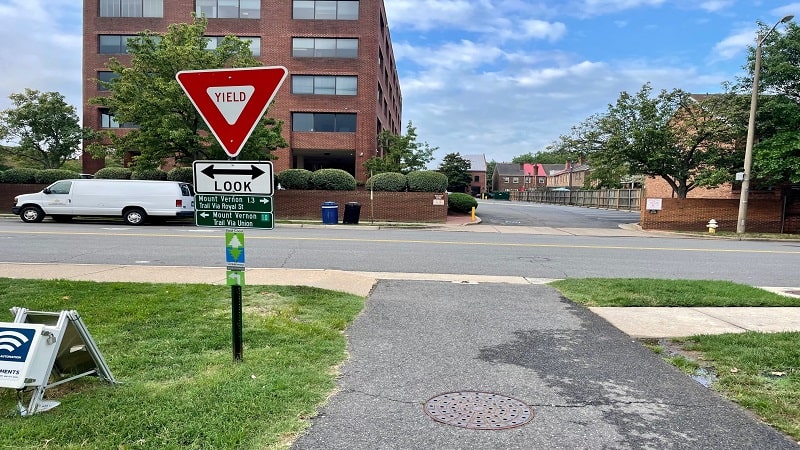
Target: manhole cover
(478,410)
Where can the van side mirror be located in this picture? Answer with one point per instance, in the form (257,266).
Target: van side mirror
(46,191)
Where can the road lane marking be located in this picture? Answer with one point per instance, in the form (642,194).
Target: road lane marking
(420,241)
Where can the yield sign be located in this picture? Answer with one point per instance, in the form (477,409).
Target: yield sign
(232,101)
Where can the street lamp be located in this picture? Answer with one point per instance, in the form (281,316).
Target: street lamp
(751,129)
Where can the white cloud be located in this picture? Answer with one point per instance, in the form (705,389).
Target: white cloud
(715,5)
(793,8)
(596,7)
(428,14)
(539,29)
(43,49)
(734,45)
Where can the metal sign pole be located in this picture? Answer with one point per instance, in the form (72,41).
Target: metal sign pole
(236,322)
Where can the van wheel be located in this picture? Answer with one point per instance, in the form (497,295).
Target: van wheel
(134,216)
(62,218)
(31,214)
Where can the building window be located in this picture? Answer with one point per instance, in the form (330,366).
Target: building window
(324,48)
(114,44)
(515,180)
(107,120)
(229,9)
(131,8)
(324,122)
(324,85)
(477,179)
(255,43)
(505,179)
(325,9)
(105,77)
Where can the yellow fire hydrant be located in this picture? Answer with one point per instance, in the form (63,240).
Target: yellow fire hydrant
(712,226)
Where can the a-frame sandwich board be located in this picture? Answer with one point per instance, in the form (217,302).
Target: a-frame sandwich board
(46,349)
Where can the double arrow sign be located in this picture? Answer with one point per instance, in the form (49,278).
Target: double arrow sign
(233,194)
(233,177)
(254,171)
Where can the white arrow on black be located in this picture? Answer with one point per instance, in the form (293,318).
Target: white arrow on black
(254,172)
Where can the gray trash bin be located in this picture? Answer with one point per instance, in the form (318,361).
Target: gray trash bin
(330,213)
(352,210)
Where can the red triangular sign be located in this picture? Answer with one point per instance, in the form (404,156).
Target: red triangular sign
(232,101)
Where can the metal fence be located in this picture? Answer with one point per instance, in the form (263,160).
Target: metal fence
(623,199)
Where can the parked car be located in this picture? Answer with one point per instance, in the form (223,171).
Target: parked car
(133,200)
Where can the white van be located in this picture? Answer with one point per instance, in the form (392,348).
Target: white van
(133,200)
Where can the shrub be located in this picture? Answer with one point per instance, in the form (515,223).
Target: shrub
(427,181)
(460,202)
(332,180)
(19,176)
(49,176)
(294,179)
(185,174)
(149,174)
(114,173)
(388,182)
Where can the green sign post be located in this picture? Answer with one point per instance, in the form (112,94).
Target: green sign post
(234,211)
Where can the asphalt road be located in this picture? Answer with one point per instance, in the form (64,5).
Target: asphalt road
(468,250)
(505,213)
(588,385)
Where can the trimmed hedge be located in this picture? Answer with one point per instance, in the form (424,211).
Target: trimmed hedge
(388,182)
(332,180)
(427,181)
(50,176)
(19,176)
(460,202)
(149,174)
(294,179)
(185,174)
(114,173)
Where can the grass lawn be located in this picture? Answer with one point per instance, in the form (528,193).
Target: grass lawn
(170,347)
(760,371)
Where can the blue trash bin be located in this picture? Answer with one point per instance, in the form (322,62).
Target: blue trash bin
(330,213)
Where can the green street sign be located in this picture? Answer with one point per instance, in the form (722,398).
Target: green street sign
(233,203)
(228,219)
(234,278)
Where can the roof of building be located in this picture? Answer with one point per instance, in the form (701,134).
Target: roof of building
(508,169)
(477,162)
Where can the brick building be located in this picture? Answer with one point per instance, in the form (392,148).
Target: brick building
(342,88)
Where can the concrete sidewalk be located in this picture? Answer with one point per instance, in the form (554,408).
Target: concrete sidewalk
(635,322)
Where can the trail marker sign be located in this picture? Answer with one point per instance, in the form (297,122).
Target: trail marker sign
(232,101)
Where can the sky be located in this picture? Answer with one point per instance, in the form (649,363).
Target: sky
(500,78)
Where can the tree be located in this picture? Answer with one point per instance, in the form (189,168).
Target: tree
(45,128)
(145,93)
(776,156)
(457,170)
(489,173)
(586,139)
(688,141)
(527,158)
(400,153)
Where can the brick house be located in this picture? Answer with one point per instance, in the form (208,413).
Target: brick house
(342,88)
(522,177)
(569,176)
(477,172)
(507,177)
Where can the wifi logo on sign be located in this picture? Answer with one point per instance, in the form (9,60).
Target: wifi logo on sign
(15,343)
